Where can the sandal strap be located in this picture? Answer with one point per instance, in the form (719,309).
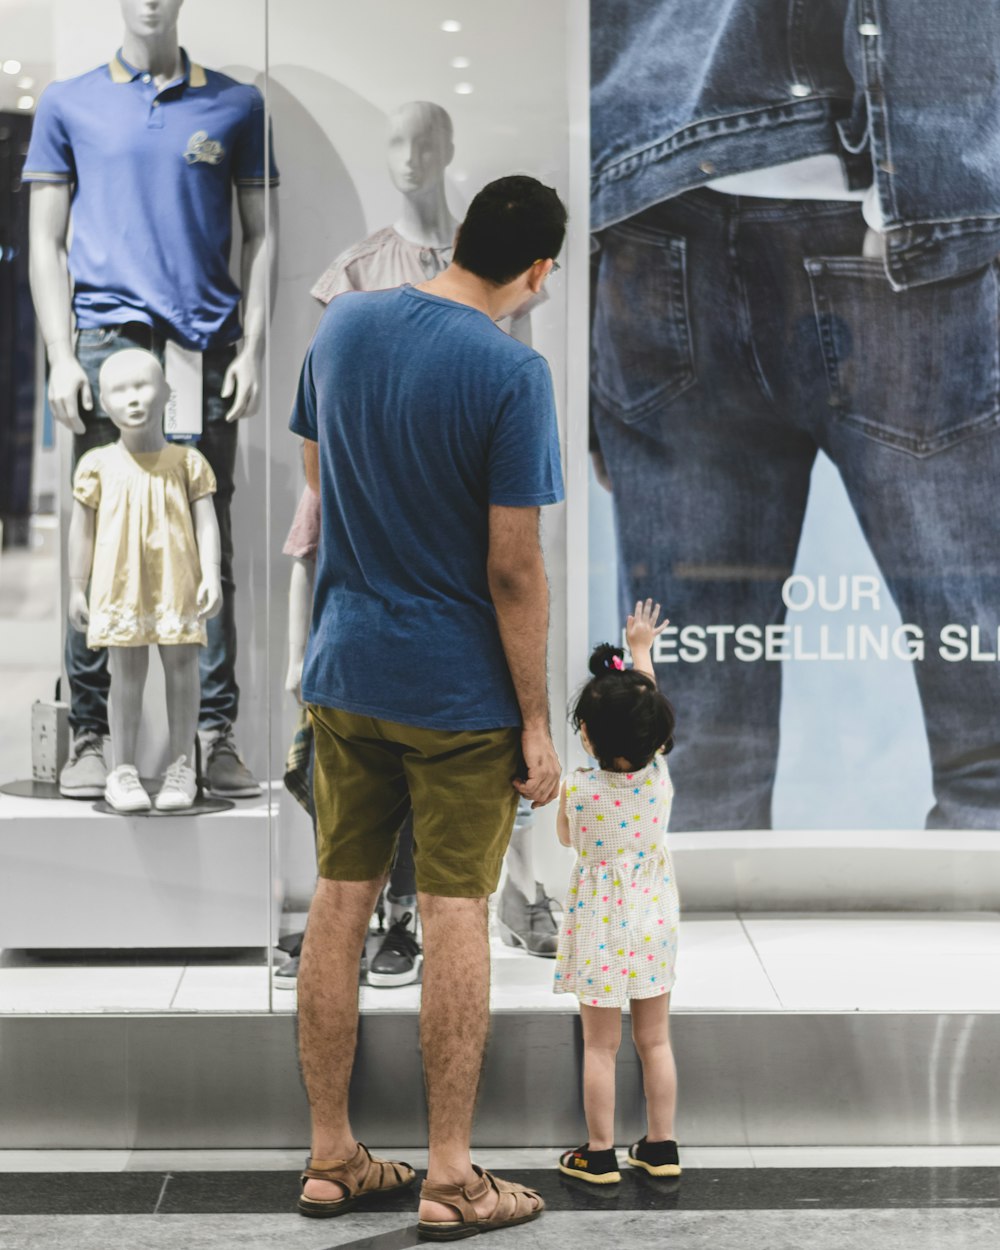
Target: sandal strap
(513,1199)
(362,1173)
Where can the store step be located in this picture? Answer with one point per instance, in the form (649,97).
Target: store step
(789,1030)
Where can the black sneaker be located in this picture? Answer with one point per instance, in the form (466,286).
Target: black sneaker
(658,1158)
(397,961)
(286,977)
(599,1167)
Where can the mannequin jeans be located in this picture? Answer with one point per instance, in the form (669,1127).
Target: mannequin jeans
(86,669)
(733,338)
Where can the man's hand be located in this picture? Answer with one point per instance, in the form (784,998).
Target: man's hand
(542,784)
(209,596)
(242,381)
(79,612)
(68,389)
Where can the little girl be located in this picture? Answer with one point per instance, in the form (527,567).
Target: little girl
(618,941)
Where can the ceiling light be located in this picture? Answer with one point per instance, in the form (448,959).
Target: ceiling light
(25,83)
(460,62)
(464,88)
(26,102)
(12,67)
(449,26)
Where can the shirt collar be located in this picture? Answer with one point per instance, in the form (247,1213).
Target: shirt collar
(192,75)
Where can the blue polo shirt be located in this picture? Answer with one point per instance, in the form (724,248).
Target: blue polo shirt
(152,172)
(425,414)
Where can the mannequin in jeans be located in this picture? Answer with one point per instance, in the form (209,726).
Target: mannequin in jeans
(151,60)
(415,248)
(169,600)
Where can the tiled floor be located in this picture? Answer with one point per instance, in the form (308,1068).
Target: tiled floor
(753,962)
(885,1205)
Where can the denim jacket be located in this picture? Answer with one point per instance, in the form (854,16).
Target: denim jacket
(905,91)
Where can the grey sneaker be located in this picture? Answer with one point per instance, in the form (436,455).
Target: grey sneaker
(226,776)
(529,925)
(84,775)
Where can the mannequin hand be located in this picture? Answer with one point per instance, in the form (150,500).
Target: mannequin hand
(68,388)
(600,469)
(79,612)
(209,597)
(293,678)
(242,382)
(641,628)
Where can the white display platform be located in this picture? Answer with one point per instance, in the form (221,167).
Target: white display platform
(754,963)
(75,878)
(825,870)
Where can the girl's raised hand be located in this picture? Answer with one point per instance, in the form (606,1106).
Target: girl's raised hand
(641,627)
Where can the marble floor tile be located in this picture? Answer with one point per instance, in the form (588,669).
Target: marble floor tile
(871,1156)
(64,1160)
(220,988)
(76,989)
(594,1230)
(859,934)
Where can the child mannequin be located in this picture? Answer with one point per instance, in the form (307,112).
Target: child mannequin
(144,535)
(618,940)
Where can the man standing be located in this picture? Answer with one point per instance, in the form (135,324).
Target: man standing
(431,437)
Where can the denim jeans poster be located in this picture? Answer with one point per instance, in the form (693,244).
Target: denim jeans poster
(795,399)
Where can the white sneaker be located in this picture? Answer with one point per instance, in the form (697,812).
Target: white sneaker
(179,789)
(123,790)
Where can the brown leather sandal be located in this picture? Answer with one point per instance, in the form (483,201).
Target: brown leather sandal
(516,1204)
(360,1175)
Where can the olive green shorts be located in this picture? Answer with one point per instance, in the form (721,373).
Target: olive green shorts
(368,774)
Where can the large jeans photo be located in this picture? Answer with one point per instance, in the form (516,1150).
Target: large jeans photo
(733,339)
(86,669)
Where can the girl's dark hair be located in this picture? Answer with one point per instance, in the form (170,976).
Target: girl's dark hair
(626,715)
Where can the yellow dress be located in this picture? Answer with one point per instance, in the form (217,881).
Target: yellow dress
(146,571)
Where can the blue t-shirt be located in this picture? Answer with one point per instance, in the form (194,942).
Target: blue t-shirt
(425,414)
(152,171)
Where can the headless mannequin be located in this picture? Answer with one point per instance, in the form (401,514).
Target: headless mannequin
(150,43)
(134,393)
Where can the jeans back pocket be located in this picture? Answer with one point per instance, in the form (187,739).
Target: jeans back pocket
(641,354)
(918,369)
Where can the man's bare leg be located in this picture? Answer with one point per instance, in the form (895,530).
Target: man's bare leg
(328,1014)
(454,1023)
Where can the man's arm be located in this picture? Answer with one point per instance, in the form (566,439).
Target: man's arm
(258,273)
(310,462)
(48,269)
(520,593)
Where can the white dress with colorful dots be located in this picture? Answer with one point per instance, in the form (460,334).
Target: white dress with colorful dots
(619,932)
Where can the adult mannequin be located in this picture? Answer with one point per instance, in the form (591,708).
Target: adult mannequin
(152,501)
(178,138)
(415,249)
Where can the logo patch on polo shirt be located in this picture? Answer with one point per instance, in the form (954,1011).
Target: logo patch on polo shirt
(201,148)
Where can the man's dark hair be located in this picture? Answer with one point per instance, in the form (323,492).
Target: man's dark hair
(510,224)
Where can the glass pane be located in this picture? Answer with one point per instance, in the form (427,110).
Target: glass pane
(348,84)
(136,845)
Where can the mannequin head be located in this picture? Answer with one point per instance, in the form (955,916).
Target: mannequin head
(421,146)
(145,19)
(133,389)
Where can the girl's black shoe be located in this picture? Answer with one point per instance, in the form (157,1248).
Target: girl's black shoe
(599,1167)
(658,1158)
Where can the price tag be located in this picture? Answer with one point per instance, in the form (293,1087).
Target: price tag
(183,417)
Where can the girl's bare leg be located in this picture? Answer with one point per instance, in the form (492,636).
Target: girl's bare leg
(651,1034)
(602,1035)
